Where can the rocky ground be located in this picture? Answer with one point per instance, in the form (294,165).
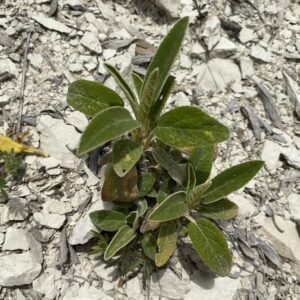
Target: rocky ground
(240,63)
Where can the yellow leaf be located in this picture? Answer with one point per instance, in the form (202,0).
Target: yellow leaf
(8,145)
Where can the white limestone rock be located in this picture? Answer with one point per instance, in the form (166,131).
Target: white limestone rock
(246,35)
(211,32)
(109,274)
(294,207)
(217,74)
(246,66)
(166,284)
(6,65)
(49,220)
(52,24)
(246,208)
(91,42)
(45,284)
(56,137)
(260,53)
(78,120)
(16,239)
(205,287)
(270,155)
(86,293)
(15,210)
(18,269)
(81,232)
(58,207)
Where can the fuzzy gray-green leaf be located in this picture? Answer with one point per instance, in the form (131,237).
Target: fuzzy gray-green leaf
(166,242)
(149,245)
(121,239)
(145,183)
(231,180)
(138,83)
(223,209)
(202,160)
(125,155)
(147,98)
(125,87)
(166,54)
(189,127)
(90,97)
(176,171)
(173,207)
(108,220)
(194,196)
(109,124)
(211,245)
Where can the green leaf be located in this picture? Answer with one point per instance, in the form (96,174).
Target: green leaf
(223,209)
(187,126)
(125,155)
(158,106)
(109,124)
(101,245)
(122,238)
(132,219)
(194,196)
(147,98)
(145,183)
(149,245)
(166,54)
(231,180)
(125,87)
(173,207)
(90,97)
(211,246)
(119,189)
(202,160)
(142,206)
(166,242)
(191,177)
(138,83)
(176,171)
(108,220)
(161,196)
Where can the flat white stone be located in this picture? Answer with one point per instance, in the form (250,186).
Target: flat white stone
(270,155)
(78,120)
(6,65)
(56,137)
(246,208)
(15,210)
(286,243)
(294,207)
(18,269)
(81,232)
(52,24)
(91,41)
(36,60)
(86,293)
(260,53)
(48,162)
(292,156)
(205,287)
(134,289)
(224,46)
(246,35)
(247,68)
(166,284)
(45,285)
(58,207)
(109,274)
(217,74)
(16,239)
(4,99)
(211,32)
(54,221)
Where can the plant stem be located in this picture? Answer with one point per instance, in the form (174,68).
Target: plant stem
(190,218)
(148,141)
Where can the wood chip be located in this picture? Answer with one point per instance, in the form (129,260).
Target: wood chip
(269,104)
(253,120)
(293,92)
(117,44)
(53,8)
